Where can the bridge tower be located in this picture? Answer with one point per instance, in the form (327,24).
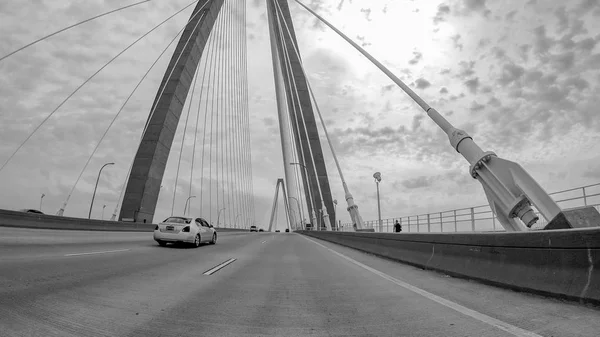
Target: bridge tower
(143,186)
(300,111)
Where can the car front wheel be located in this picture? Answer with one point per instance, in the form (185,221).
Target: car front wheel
(214,239)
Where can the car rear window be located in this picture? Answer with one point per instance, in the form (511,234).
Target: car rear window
(175,219)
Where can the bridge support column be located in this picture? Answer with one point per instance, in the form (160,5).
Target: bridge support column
(301,112)
(143,186)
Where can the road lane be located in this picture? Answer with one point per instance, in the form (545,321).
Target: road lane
(286,286)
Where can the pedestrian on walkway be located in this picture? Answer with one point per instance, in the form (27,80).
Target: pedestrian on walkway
(397,227)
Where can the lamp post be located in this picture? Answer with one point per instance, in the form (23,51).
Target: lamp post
(314,216)
(41,198)
(186,203)
(219,215)
(103,207)
(335,209)
(377,176)
(95,188)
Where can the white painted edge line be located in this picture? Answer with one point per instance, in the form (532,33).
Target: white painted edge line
(103,252)
(219,267)
(514,330)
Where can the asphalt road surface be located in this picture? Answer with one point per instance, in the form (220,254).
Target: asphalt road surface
(67,283)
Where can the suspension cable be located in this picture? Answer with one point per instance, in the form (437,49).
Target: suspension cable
(117,115)
(288,59)
(243,148)
(297,52)
(89,79)
(245,102)
(296,119)
(235,117)
(183,138)
(230,207)
(71,26)
(209,88)
(211,48)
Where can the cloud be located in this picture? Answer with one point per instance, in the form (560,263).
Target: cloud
(367,12)
(417,57)
(510,73)
(418,182)
(422,83)
(473,85)
(526,90)
(455,38)
(442,12)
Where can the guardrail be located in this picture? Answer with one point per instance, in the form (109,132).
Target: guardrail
(481,218)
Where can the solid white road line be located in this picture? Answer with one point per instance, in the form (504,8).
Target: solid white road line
(514,330)
(103,252)
(219,267)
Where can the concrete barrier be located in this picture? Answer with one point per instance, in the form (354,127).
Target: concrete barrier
(558,263)
(43,221)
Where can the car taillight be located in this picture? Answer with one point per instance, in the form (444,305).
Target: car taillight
(156,228)
(186,229)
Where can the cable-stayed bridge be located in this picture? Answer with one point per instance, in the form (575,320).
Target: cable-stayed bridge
(203,91)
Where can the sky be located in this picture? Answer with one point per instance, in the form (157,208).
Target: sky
(520,77)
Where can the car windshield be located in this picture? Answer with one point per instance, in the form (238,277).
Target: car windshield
(252,226)
(176,219)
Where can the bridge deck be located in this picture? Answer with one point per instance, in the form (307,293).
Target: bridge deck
(282,284)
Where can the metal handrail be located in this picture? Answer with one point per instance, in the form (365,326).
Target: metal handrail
(450,219)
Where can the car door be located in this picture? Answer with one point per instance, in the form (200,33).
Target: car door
(200,228)
(207,229)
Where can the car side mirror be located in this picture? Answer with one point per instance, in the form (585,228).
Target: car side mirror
(211,226)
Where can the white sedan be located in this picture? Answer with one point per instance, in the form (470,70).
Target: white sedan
(183,229)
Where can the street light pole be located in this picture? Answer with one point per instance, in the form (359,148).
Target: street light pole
(186,203)
(103,207)
(335,211)
(377,176)
(41,198)
(95,188)
(219,215)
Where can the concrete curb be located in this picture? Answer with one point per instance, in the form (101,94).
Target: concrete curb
(560,263)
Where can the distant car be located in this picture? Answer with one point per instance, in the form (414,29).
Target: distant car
(309,226)
(177,229)
(261,230)
(277,231)
(30,210)
(253,229)
(287,230)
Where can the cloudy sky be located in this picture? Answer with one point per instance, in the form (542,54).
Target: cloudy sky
(521,77)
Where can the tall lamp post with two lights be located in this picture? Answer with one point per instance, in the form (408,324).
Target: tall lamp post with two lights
(377,176)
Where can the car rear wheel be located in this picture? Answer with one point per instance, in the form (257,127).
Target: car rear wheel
(214,239)
(161,243)
(197,241)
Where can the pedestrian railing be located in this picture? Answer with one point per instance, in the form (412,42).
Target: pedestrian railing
(481,218)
